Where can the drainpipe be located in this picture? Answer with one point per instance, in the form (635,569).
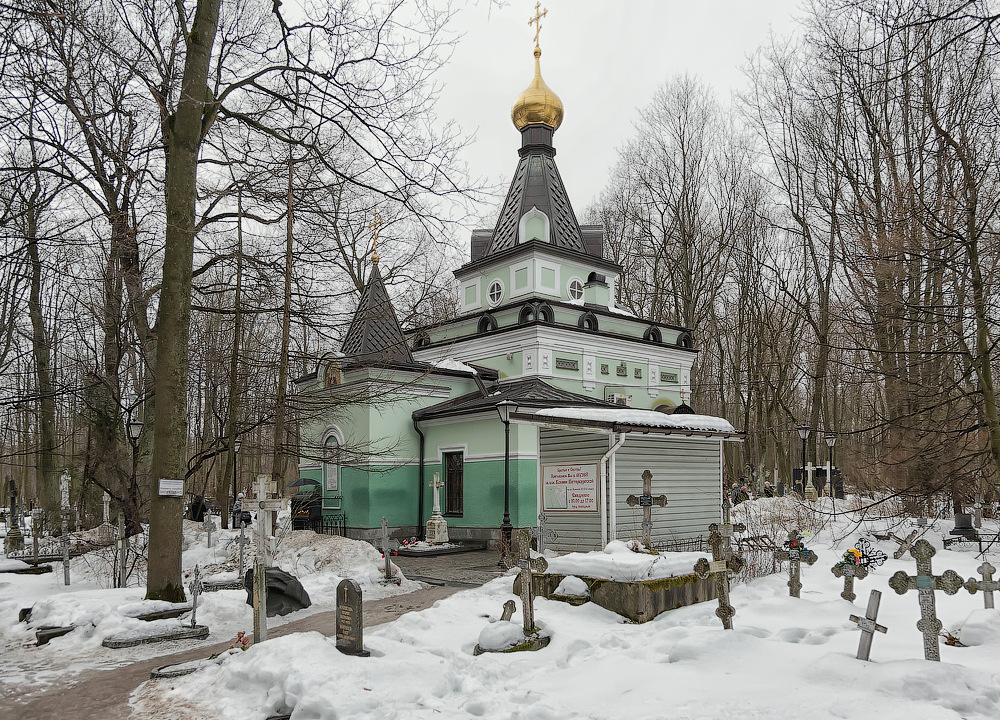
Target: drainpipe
(606,458)
(420,484)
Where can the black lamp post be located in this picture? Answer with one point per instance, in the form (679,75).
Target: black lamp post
(831,440)
(134,430)
(504,410)
(803,431)
(236,448)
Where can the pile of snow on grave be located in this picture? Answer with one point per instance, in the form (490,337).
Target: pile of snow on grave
(625,561)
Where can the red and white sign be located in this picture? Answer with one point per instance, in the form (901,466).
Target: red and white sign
(571,488)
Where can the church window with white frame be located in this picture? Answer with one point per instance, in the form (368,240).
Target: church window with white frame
(495,293)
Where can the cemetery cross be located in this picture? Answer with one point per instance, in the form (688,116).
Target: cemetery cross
(542,534)
(724,562)
(868,625)
(527,565)
(646,501)
(385,549)
(925,582)
(904,543)
(849,571)
(208,526)
(977,512)
(794,556)
(196,587)
(241,542)
(987,584)
(263,557)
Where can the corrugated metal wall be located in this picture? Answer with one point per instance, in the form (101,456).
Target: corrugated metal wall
(576,531)
(685,470)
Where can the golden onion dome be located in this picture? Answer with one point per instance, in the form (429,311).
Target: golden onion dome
(537,104)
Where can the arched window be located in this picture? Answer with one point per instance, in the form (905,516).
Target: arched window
(487,323)
(331,464)
(652,333)
(527,315)
(421,339)
(544,313)
(588,321)
(685,340)
(534,225)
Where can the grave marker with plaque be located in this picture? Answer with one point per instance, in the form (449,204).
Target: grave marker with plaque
(350,628)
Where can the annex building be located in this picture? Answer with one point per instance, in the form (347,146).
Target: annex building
(592,394)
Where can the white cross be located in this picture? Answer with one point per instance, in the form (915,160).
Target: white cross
(107,507)
(265,506)
(436,484)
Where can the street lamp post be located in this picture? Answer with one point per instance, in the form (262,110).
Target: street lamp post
(803,431)
(504,410)
(236,448)
(831,440)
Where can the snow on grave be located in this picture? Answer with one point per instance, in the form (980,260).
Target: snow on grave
(626,579)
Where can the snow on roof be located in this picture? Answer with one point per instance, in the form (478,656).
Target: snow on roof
(642,418)
(452,364)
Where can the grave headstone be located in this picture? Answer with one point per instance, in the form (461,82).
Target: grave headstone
(350,628)
(988,585)
(437,527)
(724,562)
(196,586)
(387,570)
(868,625)
(963,526)
(795,553)
(977,511)
(809,492)
(508,610)
(542,534)
(646,501)
(925,583)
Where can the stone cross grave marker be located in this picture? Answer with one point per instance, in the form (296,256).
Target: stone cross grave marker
(528,564)
(795,557)
(350,628)
(196,586)
(541,533)
(977,512)
(987,584)
(508,610)
(809,491)
(904,543)
(387,571)
(724,562)
(437,527)
(241,542)
(849,571)
(646,501)
(208,526)
(868,625)
(925,583)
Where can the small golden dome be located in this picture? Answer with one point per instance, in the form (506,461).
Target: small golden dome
(537,104)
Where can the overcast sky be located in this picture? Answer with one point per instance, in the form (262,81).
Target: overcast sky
(604,59)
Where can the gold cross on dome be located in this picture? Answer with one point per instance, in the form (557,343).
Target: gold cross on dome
(374,225)
(537,20)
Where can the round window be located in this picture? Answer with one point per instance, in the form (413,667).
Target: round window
(495,293)
(575,288)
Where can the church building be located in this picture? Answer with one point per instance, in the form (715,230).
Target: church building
(541,396)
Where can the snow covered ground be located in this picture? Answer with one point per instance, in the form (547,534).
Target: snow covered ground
(319,562)
(787,659)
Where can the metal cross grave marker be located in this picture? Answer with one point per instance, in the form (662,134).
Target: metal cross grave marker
(868,625)
(541,533)
(724,562)
(528,565)
(849,571)
(646,501)
(987,584)
(795,557)
(196,588)
(925,583)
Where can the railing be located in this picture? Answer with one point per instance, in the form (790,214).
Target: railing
(328,525)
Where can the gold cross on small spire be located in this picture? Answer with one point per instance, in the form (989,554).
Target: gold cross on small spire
(537,20)
(374,225)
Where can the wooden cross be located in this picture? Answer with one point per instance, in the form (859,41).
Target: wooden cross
(795,557)
(724,562)
(209,526)
(542,533)
(385,549)
(925,582)
(849,571)
(528,565)
(868,625)
(265,507)
(646,501)
(196,587)
(241,542)
(904,543)
(987,584)
(537,20)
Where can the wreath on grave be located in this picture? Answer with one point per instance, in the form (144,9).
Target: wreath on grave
(863,555)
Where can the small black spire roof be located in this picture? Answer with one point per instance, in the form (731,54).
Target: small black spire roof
(537,184)
(375,336)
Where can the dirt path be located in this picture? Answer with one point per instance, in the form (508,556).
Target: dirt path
(103,694)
